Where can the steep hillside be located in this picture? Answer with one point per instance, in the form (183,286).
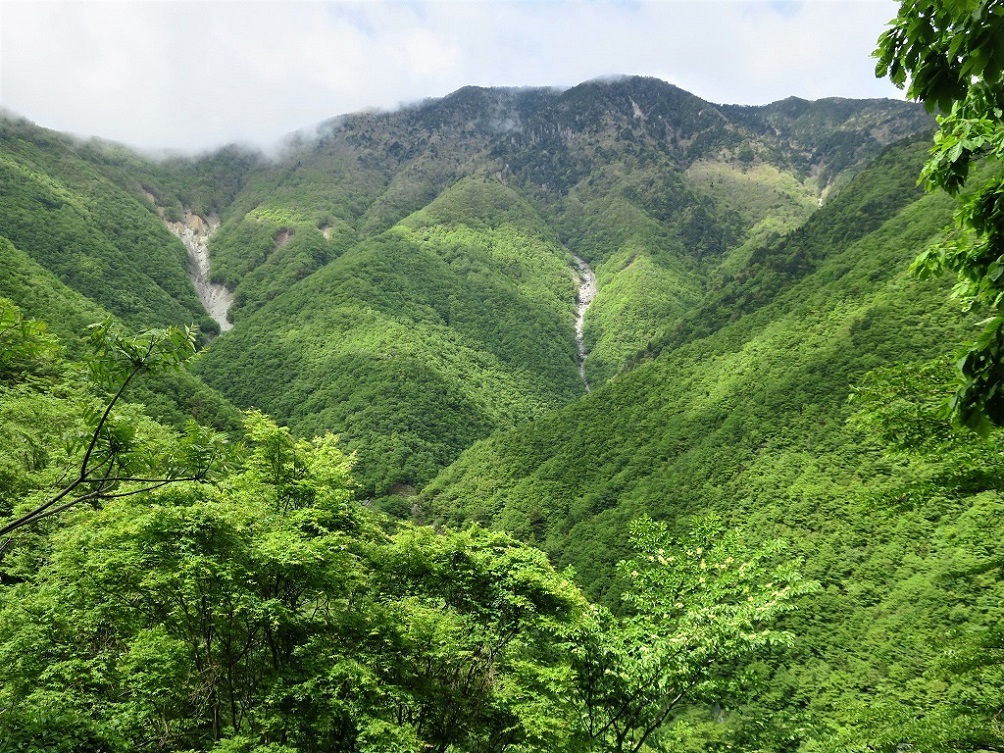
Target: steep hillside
(652,186)
(689,429)
(408,279)
(173,397)
(748,417)
(453,323)
(648,183)
(79,242)
(103,241)
(411,275)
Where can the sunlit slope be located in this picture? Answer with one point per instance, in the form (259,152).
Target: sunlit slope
(412,345)
(733,420)
(657,235)
(748,416)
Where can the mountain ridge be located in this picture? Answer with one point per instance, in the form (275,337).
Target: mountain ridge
(651,185)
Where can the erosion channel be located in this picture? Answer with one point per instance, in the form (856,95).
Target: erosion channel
(587,292)
(194,232)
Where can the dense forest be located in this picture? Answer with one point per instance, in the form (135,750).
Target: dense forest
(401,506)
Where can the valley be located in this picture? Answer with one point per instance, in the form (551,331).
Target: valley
(520,391)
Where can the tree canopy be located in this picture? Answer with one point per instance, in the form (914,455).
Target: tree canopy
(270,611)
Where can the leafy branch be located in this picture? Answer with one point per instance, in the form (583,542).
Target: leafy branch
(950,55)
(115,462)
(698,607)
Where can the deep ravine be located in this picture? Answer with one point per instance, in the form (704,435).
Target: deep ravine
(587,292)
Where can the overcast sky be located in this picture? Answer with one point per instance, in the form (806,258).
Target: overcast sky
(193,75)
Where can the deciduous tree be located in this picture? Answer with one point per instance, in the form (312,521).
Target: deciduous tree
(697,608)
(949,54)
(113,458)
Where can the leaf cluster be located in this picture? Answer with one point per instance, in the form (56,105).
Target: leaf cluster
(949,56)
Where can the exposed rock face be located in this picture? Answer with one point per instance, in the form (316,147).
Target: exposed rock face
(587,292)
(194,231)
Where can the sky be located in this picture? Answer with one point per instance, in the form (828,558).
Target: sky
(189,76)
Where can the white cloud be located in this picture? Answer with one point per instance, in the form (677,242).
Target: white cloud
(166,73)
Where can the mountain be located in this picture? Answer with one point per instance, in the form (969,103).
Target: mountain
(408,280)
(757,351)
(720,407)
(491,192)
(60,207)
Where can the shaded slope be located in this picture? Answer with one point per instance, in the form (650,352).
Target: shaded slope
(172,397)
(39,295)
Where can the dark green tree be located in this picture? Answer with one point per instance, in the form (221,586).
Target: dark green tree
(949,54)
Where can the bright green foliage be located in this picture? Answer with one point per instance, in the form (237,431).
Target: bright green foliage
(472,639)
(951,55)
(270,612)
(266,253)
(604,164)
(117,458)
(410,274)
(39,294)
(173,397)
(30,423)
(943,52)
(711,419)
(645,232)
(696,610)
(406,281)
(25,344)
(936,621)
(186,609)
(883,189)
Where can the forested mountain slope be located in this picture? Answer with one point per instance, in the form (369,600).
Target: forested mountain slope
(79,242)
(415,343)
(408,279)
(449,229)
(104,241)
(744,410)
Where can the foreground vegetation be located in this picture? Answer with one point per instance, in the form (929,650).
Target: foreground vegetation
(198,594)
